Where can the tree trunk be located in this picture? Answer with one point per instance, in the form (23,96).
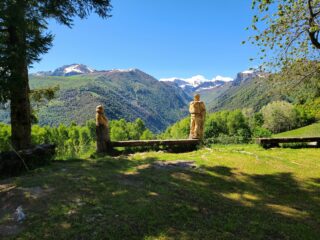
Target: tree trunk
(19,82)
(103,139)
(20,112)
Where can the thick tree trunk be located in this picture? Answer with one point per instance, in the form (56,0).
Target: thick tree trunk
(103,139)
(19,82)
(20,111)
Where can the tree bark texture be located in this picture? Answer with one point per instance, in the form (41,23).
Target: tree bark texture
(19,83)
(103,139)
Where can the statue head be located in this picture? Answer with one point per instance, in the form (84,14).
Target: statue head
(99,109)
(196,97)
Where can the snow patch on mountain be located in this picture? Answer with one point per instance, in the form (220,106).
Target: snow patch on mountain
(195,81)
(221,78)
(248,72)
(124,70)
(77,68)
(248,75)
(67,70)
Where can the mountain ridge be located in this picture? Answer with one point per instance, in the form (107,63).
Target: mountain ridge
(125,93)
(132,93)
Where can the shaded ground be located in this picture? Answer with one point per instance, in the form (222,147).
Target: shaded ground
(235,192)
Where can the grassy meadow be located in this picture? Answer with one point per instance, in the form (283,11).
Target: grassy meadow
(312,130)
(235,192)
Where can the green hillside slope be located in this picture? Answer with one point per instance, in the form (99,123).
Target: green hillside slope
(211,95)
(254,94)
(258,92)
(127,94)
(312,130)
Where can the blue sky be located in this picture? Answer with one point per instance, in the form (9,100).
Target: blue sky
(167,38)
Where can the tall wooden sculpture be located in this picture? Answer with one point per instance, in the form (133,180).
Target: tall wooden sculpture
(102,131)
(197,110)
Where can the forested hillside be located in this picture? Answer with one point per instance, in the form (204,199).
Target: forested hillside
(298,85)
(127,94)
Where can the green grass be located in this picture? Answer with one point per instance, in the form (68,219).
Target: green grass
(76,81)
(236,192)
(312,130)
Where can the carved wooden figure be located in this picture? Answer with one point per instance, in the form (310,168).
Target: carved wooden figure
(102,131)
(197,110)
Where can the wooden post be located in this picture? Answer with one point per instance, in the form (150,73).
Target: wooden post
(102,132)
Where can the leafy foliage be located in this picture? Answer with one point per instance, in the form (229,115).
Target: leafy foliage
(279,116)
(288,28)
(179,130)
(236,126)
(228,126)
(75,141)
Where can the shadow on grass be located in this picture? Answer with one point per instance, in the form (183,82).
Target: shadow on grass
(118,198)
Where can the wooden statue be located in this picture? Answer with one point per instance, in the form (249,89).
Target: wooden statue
(197,110)
(102,131)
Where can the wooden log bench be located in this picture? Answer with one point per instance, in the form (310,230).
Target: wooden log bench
(185,144)
(274,142)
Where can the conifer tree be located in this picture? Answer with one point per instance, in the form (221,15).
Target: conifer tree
(23,38)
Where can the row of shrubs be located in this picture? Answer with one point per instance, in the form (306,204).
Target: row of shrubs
(78,141)
(241,126)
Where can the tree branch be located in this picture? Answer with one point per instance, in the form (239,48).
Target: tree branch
(312,34)
(310,9)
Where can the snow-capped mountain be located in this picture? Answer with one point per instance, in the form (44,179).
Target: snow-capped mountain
(67,70)
(123,70)
(247,75)
(198,82)
(76,69)
(190,85)
(73,69)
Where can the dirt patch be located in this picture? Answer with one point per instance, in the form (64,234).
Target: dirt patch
(175,164)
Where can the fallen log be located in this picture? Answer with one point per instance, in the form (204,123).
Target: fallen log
(13,163)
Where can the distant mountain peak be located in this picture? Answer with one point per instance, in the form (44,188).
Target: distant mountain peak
(248,71)
(72,69)
(67,70)
(198,82)
(125,70)
(248,75)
